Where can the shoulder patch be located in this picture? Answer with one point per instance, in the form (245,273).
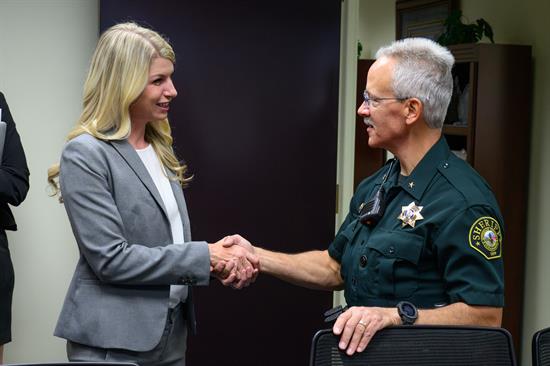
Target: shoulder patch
(486,237)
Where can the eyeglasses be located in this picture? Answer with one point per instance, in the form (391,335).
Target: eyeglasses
(375,102)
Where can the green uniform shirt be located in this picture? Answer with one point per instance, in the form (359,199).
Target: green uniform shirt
(438,242)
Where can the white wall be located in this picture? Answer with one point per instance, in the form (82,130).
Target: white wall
(376,25)
(45,46)
(514,22)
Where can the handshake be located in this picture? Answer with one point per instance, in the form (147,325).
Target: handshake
(233,261)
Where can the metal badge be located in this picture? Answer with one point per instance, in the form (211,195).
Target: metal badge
(409,214)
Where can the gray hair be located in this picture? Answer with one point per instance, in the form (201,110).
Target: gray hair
(423,70)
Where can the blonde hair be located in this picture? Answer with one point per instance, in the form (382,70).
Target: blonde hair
(118,75)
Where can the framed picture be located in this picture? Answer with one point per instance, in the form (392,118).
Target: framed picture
(422,18)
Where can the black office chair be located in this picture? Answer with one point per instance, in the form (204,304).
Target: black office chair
(420,345)
(541,347)
(75,364)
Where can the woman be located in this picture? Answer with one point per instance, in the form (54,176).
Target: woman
(121,183)
(14,185)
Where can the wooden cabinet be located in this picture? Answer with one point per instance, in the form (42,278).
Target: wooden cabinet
(495,138)
(488,124)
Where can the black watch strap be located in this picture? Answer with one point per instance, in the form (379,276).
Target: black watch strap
(407,312)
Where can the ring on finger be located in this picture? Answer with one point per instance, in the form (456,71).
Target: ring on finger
(361,322)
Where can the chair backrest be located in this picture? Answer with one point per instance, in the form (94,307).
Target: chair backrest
(75,364)
(541,347)
(420,345)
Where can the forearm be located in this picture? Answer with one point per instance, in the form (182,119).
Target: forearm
(455,314)
(461,314)
(363,322)
(134,264)
(14,185)
(14,172)
(314,269)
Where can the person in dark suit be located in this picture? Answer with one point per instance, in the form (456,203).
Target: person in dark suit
(14,185)
(121,185)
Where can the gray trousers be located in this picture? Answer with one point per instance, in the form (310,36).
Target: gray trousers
(169,352)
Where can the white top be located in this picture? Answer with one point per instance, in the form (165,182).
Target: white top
(156,171)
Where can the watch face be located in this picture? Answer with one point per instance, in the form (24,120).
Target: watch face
(407,312)
(408,309)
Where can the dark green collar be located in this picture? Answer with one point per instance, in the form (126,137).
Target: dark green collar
(416,183)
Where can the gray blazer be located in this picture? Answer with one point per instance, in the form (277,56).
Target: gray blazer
(118,296)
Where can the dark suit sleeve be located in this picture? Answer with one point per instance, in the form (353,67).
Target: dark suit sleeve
(14,173)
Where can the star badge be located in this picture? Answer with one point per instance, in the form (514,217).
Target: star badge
(409,214)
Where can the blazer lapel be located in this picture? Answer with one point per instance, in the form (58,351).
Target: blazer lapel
(132,159)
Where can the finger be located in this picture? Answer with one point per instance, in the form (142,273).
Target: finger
(255,275)
(375,324)
(228,241)
(239,284)
(229,279)
(253,259)
(246,274)
(246,283)
(244,277)
(230,273)
(349,329)
(358,335)
(219,267)
(215,272)
(237,237)
(341,321)
(249,273)
(229,266)
(248,268)
(252,278)
(242,269)
(365,340)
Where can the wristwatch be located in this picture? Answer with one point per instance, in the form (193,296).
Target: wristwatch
(407,312)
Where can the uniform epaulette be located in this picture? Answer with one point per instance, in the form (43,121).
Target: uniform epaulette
(465,180)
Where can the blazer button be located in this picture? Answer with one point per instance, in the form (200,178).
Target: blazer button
(363,261)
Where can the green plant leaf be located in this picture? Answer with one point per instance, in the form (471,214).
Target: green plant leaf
(487,30)
(457,32)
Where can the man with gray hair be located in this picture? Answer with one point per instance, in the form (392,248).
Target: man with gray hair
(422,241)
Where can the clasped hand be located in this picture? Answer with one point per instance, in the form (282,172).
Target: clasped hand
(233,262)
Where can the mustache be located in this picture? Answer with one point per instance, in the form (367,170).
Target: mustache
(368,121)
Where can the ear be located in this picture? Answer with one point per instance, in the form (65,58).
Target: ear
(413,110)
